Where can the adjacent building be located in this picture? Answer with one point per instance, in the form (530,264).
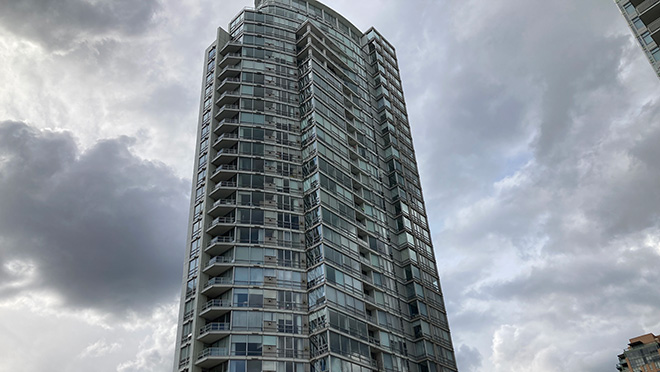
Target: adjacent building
(643,17)
(642,355)
(308,244)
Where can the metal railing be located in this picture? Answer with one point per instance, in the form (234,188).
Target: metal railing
(222,220)
(224,304)
(221,239)
(641,8)
(225,352)
(224,202)
(214,327)
(219,281)
(654,26)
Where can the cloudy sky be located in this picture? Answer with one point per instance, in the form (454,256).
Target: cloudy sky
(536,125)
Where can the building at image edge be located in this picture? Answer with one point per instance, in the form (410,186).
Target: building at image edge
(308,242)
(642,355)
(643,17)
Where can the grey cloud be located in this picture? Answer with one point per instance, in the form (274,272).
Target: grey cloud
(59,24)
(588,281)
(104,228)
(540,175)
(469,359)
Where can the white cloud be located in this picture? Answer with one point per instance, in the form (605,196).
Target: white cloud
(99,348)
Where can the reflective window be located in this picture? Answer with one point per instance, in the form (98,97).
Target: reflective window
(656,54)
(199,192)
(647,38)
(630,9)
(197,226)
(192,267)
(194,247)
(201,175)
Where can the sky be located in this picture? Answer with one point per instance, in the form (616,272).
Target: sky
(535,123)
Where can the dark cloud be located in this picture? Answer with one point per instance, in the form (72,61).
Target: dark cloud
(103,228)
(59,24)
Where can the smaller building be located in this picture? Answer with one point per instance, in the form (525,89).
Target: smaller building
(642,355)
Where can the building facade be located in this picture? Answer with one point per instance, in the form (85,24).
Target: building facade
(308,243)
(642,355)
(643,17)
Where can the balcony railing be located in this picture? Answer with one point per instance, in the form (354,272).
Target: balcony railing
(222,220)
(654,26)
(214,327)
(641,8)
(225,304)
(224,202)
(226,352)
(222,239)
(265,262)
(219,281)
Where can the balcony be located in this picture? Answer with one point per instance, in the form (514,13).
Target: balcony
(227,111)
(231,71)
(221,225)
(225,140)
(230,47)
(653,27)
(220,245)
(217,286)
(649,11)
(218,265)
(646,5)
(228,97)
(223,172)
(212,332)
(222,207)
(223,189)
(230,59)
(226,125)
(212,356)
(215,308)
(230,83)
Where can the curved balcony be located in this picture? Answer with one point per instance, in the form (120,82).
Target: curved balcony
(213,309)
(223,189)
(216,308)
(230,58)
(222,207)
(217,286)
(227,111)
(219,245)
(230,83)
(225,156)
(230,47)
(212,332)
(227,125)
(214,356)
(225,140)
(221,225)
(230,71)
(218,265)
(228,97)
(223,172)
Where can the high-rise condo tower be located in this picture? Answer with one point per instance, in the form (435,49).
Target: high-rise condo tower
(308,244)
